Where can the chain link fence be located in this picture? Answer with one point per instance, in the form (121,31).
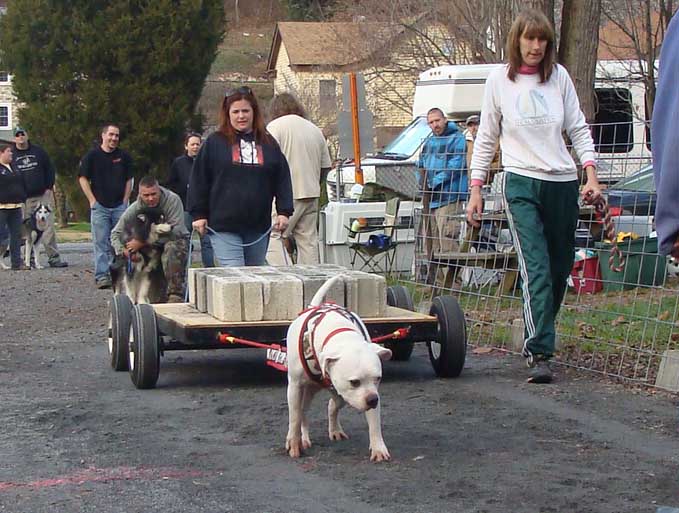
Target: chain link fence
(618,323)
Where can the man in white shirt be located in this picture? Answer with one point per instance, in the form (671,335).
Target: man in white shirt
(304,146)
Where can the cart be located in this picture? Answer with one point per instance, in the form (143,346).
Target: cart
(140,334)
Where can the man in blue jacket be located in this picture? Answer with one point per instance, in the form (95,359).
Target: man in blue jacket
(666,144)
(443,165)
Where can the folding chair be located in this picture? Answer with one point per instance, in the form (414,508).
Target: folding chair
(376,252)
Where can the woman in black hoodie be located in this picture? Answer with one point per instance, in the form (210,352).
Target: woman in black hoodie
(238,172)
(12,195)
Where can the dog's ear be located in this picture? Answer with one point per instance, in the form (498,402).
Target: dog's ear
(383,353)
(326,359)
(48,208)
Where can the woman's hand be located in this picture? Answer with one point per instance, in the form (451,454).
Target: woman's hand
(591,192)
(475,207)
(281,223)
(200,225)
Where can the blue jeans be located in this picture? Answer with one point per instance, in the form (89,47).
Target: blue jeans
(10,222)
(206,254)
(103,220)
(229,251)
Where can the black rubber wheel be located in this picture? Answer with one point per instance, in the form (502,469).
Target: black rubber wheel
(144,356)
(399,296)
(118,337)
(448,352)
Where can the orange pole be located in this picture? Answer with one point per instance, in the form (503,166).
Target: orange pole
(358,172)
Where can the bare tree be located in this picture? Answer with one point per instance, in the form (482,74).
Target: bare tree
(578,47)
(639,27)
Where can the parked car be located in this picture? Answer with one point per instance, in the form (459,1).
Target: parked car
(635,194)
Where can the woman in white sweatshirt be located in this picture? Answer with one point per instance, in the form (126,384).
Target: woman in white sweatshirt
(527,106)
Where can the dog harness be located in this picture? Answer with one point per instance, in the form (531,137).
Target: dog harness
(305,343)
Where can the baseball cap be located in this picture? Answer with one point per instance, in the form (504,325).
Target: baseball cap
(18,129)
(473,119)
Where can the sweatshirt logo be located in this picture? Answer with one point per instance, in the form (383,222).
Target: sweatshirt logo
(533,109)
(247,152)
(26,163)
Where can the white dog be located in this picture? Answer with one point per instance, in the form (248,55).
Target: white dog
(337,355)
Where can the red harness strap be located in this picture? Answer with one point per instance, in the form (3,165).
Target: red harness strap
(318,313)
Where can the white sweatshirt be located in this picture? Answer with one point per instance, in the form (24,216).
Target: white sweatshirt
(528,117)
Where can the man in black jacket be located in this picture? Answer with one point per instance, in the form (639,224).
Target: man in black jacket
(35,166)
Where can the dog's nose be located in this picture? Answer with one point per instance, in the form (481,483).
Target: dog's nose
(372,401)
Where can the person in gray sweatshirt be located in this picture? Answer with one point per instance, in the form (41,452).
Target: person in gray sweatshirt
(175,245)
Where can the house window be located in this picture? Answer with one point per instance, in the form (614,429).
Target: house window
(327,93)
(5,116)
(4,77)
(612,129)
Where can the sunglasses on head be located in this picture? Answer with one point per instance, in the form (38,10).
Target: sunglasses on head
(240,90)
(19,134)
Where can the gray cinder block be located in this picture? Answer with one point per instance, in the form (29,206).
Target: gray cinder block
(366,293)
(668,373)
(226,298)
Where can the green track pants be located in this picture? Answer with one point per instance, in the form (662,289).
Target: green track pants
(542,219)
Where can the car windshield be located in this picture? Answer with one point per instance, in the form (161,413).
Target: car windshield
(640,181)
(408,141)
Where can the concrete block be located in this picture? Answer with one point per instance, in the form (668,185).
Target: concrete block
(668,373)
(366,294)
(191,285)
(517,338)
(282,296)
(226,303)
(252,297)
(312,280)
(201,284)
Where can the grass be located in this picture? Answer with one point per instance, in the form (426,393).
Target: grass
(621,334)
(75,232)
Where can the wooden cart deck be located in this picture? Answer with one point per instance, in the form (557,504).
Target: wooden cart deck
(185,316)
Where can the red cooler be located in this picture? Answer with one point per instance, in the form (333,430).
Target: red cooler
(587,276)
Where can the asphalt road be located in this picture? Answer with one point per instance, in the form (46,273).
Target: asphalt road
(77,436)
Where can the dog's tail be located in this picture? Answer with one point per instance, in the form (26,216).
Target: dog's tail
(319,296)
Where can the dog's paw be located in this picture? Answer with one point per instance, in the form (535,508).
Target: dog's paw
(306,442)
(379,453)
(293,446)
(337,435)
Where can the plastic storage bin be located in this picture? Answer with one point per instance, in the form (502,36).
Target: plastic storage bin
(643,265)
(586,275)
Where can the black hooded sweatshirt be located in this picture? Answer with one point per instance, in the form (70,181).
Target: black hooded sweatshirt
(36,167)
(12,188)
(233,185)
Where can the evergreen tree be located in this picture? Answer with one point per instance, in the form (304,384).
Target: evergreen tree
(81,63)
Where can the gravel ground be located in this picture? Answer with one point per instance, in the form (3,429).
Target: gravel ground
(77,436)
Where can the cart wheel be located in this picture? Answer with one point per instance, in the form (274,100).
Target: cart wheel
(119,331)
(447,354)
(399,296)
(144,357)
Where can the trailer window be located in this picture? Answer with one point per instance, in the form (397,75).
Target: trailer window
(612,129)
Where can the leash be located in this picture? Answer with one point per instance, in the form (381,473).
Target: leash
(601,207)
(216,234)
(247,244)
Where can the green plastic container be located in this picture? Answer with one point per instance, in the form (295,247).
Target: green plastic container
(643,265)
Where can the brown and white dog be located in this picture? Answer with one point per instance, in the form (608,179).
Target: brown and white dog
(328,347)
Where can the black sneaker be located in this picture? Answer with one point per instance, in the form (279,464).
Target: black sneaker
(58,263)
(540,370)
(104,283)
